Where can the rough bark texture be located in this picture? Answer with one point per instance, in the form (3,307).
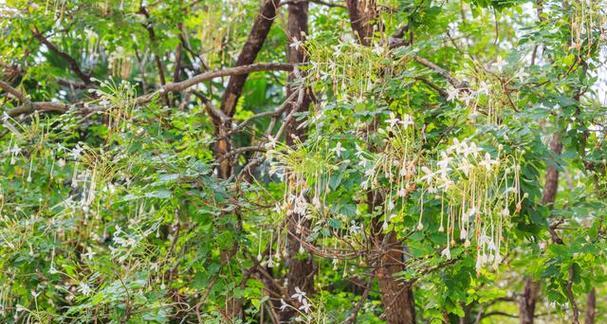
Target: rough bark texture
(529,298)
(528,301)
(590,307)
(362,14)
(301,269)
(396,295)
(257,36)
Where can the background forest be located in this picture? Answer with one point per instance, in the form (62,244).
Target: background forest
(321,161)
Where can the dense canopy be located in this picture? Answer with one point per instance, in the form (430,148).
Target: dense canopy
(319,161)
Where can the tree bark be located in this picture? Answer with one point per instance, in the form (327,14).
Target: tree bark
(248,54)
(257,36)
(529,298)
(590,307)
(528,301)
(362,13)
(396,295)
(301,270)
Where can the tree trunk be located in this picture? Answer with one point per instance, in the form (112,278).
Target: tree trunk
(529,298)
(248,54)
(301,270)
(257,36)
(362,16)
(396,295)
(527,303)
(591,307)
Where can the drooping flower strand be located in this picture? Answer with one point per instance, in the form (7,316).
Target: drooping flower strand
(475,188)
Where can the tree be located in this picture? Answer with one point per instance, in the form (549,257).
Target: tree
(371,161)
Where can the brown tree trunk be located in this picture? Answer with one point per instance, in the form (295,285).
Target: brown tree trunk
(257,36)
(301,270)
(396,295)
(591,307)
(248,54)
(527,302)
(529,298)
(362,13)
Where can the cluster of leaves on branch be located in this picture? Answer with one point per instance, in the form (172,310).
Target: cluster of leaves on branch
(400,161)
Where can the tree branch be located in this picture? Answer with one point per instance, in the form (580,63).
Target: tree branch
(16,93)
(66,57)
(171,87)
(440,71)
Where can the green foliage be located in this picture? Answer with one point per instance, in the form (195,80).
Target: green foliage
(113,211)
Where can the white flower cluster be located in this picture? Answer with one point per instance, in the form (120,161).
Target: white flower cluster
(300,297)
(476,190)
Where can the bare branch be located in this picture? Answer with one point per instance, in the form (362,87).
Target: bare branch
(171,87)
(16,93)
(66,57)
(318,2)
(352,318)
(31,107)
(442,72)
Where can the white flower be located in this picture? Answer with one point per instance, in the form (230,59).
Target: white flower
(299,295)
(471,149)
(407,121)
(463,234)
(469,214)
(76,151)
(452,93)
(446,252)
(84,289)
(296,44)
(393,120)
(487,162)
(427,175)
(283,305)
(378,49)
(338,149)
(521,74)
(270,263)
(443,164)
(465,167)
(89,253)
(305,306)
(499,64)
(402,192)
(483,88)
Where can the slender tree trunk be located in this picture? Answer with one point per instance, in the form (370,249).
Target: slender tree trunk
(301,269)
(248,54)
(528,301)
(529,298)
(396,295)
(590,307)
